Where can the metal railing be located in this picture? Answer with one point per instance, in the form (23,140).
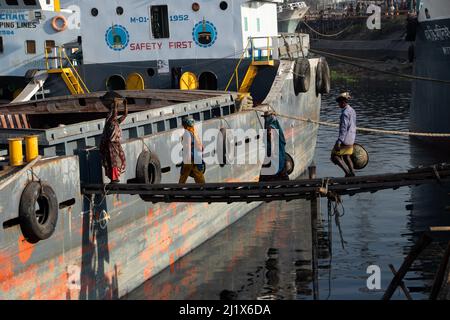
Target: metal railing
(60,56)
(256,54)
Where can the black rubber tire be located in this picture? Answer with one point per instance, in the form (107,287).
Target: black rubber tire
(221,147)
(290,164)
(323,77)
(411,53)
(30,74)
(302,75)
(34,226)
(148,170)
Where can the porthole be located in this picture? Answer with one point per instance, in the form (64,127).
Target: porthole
(195,6)
(151,72)
(94,12)
(224,5)
(119,11)
(115,82)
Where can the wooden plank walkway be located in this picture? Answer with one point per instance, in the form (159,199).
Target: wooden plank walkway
(275,191)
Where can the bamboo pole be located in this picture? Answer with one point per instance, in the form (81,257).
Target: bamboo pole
(402,284)
(423,242)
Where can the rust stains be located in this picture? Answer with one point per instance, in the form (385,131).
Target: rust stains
(25,249)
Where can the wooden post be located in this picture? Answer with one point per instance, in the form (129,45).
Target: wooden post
(314,217)
(423,242)
(402,284)
(439,278)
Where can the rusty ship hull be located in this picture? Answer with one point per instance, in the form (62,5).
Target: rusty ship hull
(105,247)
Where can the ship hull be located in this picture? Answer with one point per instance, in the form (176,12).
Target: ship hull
(105,247)
(430,107)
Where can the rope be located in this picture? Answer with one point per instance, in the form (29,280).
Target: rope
(396,74)
(346,57)
(369,130)
(327,35)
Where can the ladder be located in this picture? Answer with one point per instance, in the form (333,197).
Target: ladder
(250,76)
(71,81)
(68,73)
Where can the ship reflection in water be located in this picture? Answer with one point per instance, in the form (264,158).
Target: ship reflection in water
(267,254)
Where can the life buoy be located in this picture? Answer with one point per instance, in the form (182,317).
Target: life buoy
(148,169)
(55,23)
(289,163)
(323,82)
(38,224)
(302,75)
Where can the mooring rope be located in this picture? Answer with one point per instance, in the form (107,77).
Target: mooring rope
(396,74)
(327,35)
(369,130)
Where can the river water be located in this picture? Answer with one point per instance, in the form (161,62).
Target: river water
(263,255)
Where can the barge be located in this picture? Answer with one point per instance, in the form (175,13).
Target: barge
(103,247)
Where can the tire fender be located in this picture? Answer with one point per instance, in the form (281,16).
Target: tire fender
(323,77)
(39,224)
(290,164)
(302,75)
(221,148)
(148,169)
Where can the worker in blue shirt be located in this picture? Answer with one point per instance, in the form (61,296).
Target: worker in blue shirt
(343,149)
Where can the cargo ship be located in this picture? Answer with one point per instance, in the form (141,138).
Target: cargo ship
(290,14)
(430,110)
(30,30)
(205,60)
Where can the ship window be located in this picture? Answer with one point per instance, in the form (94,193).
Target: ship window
(49,45)
(160,21)
(245,24)
(29,2)
(30,47)
(119,11)
(12,2)
(195,6)
(224,5)
(94,12)
(1,44)
(258,24)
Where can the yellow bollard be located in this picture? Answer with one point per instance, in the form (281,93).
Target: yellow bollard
(31,147)
(15,152)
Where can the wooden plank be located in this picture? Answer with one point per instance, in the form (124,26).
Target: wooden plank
(439,229)
(18,123)
(25,121)
(11,122)
(440,275)
(423,242)
(3,121)
(402,284)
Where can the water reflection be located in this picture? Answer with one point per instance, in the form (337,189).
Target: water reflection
(267,254)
